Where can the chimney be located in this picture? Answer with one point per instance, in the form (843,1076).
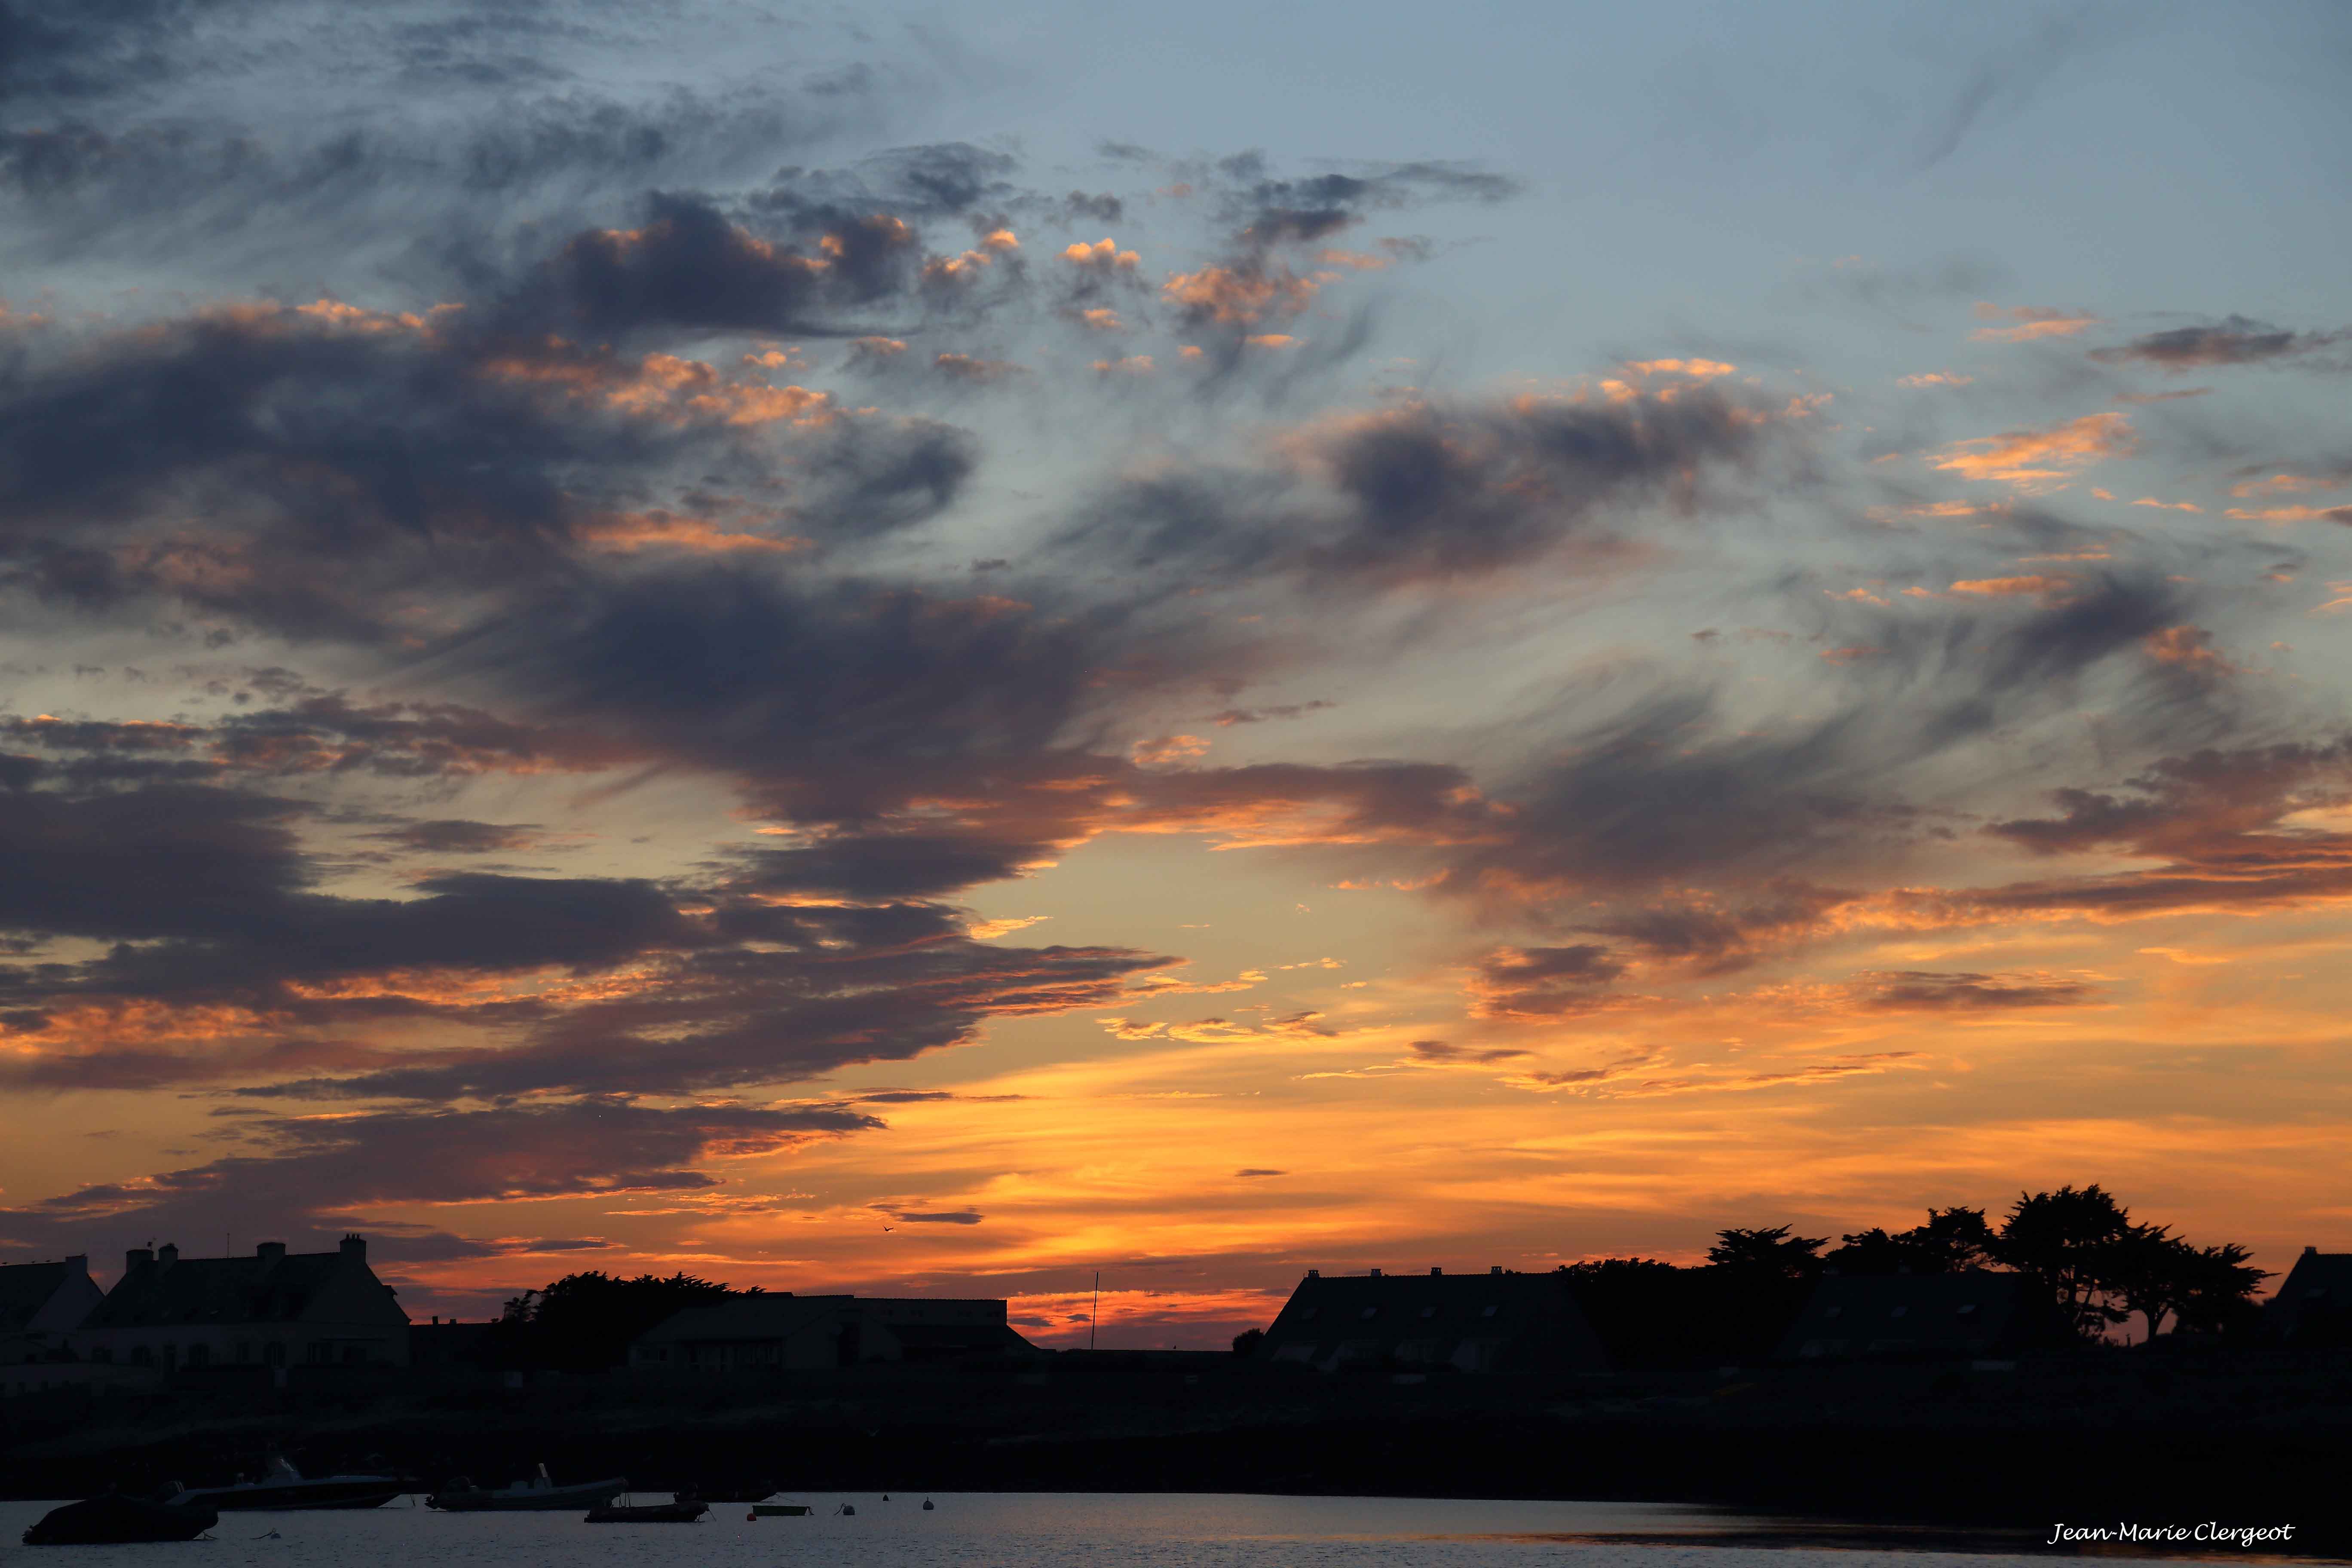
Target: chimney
(1436,1271)
(167,1254)
(271,1253)
(1498,1269)
(2311,1252)
(1376,1273)
(1315,1274)
(133,1258)
(355,1249)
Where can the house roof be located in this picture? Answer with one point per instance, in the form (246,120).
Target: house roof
(1971,1310)
(928,1340)
(2320,1284)
(749,1319)
(1527,1321)
(259,1289)
(27,1288)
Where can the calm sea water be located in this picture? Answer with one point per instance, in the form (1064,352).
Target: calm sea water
(1000,1531)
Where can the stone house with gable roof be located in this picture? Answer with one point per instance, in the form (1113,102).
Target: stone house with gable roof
(1497,1321)
(41,1304)
(1970,1313)
(2313,1305)
(274,1309)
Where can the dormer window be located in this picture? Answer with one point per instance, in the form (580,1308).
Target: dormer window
(1368,1313)
(1966,1310)
(1309,1315)
(1428,1313)
(1488,1310)
(1900,1312)
(1832,1311)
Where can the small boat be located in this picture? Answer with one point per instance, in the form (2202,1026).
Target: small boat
(683,1512)
(281,1486)
(116,1520)
(538,1494)
(779,1509)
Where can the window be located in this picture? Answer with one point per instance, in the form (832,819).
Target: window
(142,1356)
(1965,1309)
(1309,1315)
(103,1355)
(1488,1311)
(1834,1312)
(200,1355)
(244,1352)
(1428,1313)
(171,1357)
(1900,1312)
(1368,1313)
(274,1353)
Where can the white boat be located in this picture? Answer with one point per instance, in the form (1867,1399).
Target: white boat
(282,1487)
(538,1493)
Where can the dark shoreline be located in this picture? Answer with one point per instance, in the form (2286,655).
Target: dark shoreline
(1903,1454)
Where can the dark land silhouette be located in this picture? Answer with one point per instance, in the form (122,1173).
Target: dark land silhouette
(1717,1389)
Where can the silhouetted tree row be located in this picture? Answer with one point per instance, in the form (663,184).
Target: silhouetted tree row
(583,1323)
(2098,1266)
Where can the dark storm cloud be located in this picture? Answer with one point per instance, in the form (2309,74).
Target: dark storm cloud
(454,836)
(1445,1051)
(730,1017)
(1429,493)
(2235,340)
(81,49)
(1939,991)
(213,889)
(1765,834)
(446,210)
(319,1172)
(889,865)
(686,265)
(372,458)
(347,461)
(743,673)
(940,180)
(1273,209)
(1544,982)
(2203,806)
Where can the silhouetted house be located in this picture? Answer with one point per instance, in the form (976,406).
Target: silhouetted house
(1972,1312)
(780,1332)
(40,1303)
(2313,1305)
(1491,1322)
(274,1309)
(450,1346)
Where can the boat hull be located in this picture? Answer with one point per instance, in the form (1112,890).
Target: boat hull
(119,1520)
(551,1500)
(779,1510)
(362,1491)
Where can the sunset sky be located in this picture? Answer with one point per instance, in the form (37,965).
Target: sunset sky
(929,649)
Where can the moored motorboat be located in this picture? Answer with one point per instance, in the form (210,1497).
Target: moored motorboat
(282,1487)
(116,1520)
(685,1511)
(539,1494)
